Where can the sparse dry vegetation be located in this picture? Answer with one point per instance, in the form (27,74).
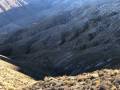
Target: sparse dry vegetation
(11,78)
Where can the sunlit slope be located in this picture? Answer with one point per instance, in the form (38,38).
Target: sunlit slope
(9,4)
(11,79)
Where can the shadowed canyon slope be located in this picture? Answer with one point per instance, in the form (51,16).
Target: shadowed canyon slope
(63,37)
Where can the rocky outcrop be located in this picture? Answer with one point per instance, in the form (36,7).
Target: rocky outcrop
(97,80)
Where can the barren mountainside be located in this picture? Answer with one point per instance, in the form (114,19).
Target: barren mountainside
(74,41)
(56,38)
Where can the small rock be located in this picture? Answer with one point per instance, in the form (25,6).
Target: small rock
(95,75)
(117,81)
(113,87)
(101,87)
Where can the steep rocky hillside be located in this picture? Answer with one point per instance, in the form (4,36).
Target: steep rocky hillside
(17,14)
(73,41)
(67,44)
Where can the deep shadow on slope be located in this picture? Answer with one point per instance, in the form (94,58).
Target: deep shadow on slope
(70,43)
(71,53)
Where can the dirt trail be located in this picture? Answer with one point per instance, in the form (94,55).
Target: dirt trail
(11,79)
